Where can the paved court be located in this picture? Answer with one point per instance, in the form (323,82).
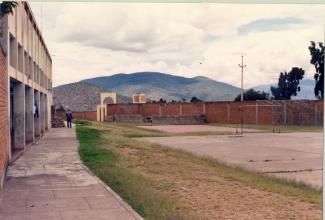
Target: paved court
(194,128)
(50,182)
(296,156)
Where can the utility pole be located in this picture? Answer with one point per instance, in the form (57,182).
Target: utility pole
(242,66)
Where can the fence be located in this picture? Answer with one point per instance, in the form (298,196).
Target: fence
(292,112)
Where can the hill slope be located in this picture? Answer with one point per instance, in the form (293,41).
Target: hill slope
(80,96)
(306,89)
(159,85)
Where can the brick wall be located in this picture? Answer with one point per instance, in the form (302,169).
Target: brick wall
(4,139)
(299,112)
(302,112)
(90,115)
(189,109)
(150,109)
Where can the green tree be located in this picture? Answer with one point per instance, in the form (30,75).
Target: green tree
(317,59)
(288,84)
(252,95)
(194,99)
(6,7)
(161,100)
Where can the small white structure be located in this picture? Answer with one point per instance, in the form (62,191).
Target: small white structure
(139,98)
(102,108)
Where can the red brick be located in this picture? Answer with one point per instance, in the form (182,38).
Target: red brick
(4,139)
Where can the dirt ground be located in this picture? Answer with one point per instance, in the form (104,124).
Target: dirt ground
(193,128)
(205,195)
(198,189)
(294,156)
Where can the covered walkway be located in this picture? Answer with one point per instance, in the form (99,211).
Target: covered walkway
(50,182)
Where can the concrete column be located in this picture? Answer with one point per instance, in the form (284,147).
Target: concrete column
(49,101)
(19,115)
(98,112)
(29,115)
(46,112)
(42,112)
(102,112)
(37,118)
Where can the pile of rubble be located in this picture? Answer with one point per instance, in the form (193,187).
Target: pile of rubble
(57,122)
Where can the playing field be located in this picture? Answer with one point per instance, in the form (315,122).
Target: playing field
(194,128)
(294,156)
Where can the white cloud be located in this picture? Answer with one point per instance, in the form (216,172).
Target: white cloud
(95,39)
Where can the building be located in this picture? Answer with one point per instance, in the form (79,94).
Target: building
(25,84)
(139,98)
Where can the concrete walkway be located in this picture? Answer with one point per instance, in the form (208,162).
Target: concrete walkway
(50,182)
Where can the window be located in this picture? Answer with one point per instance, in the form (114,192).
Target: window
(26,69)
(20,58)
(13,52)
(31,73)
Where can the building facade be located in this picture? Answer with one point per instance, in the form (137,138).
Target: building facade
(26,84)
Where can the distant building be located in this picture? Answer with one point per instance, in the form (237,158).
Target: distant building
(139,98)
(25,84)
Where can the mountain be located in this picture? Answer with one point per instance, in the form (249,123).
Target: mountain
(160,85)
(306,89)
(80,96)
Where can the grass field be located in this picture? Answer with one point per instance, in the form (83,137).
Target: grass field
(161,183)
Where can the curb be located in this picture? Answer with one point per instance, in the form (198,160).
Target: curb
(116,196)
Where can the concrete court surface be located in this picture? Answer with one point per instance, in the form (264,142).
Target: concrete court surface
(294,156)
(194,128)
(50,182)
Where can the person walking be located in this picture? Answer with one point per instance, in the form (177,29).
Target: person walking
(69,118)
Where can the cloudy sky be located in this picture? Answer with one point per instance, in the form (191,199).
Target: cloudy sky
(100,39)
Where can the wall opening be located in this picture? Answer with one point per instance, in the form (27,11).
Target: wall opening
(13,52)
(26,61)
(20,58)
(31,74)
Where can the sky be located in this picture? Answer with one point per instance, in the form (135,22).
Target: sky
(186,39)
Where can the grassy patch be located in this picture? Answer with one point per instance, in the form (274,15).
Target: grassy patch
(160,183)
(135,189)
